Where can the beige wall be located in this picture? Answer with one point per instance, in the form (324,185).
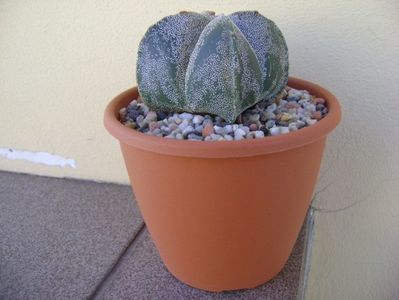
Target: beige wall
(61,62)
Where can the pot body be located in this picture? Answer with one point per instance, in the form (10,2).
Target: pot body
(223,222)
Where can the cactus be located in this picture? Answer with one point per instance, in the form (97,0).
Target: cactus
(205,64)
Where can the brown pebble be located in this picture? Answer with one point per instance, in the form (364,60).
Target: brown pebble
(316,115)
(285,117)
(253,127)
(207,130)
(292,104)
(318,100)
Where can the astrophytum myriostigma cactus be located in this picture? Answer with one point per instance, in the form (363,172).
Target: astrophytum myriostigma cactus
(211,64)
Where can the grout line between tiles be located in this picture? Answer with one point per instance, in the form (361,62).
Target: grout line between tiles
(115,265)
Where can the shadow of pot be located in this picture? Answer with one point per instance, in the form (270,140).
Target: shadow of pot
(224,215)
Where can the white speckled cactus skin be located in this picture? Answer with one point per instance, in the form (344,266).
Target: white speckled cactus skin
(205,64)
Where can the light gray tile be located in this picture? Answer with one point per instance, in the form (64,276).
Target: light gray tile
(142,275)
(59,237)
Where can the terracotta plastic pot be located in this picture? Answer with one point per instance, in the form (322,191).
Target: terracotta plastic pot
(224,215)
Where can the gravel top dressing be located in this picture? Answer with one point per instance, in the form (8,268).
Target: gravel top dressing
(296,109)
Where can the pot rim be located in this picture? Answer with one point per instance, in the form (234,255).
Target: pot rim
(225,149)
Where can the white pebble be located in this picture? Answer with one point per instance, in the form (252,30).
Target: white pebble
(186,116)
(238,137)
(198,119)
(274,131)
(284,130)
(292,127)
(311,121)
(259,134)
(228,128)
(239,131)
(246,129)
(228,137)
(179,136)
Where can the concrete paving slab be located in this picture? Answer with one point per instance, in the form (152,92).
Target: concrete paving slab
(141,274)
(60,237)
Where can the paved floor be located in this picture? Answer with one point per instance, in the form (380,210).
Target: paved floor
(70,239)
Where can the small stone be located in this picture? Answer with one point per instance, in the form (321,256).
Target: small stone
(228,128)
(300,124)
(253,127)
(253,118)
(156,131)
(251,135)
(285,117)
(292,105)
(310,107)
(271,123)
(267,115)
(219,130)
(122,112)
(215,137)
(274,131)
(150,117)
(284,130)
(183,124)
(140,120)
(292,127)
(178,120)
(245,128)
(162,115)
(187,130)
(199,128)
(293,93)
(283,123)
(195,137)
(133,114)
(186,116)
(198,119)
(207,121)
(173,126)
(153,125)
(272,107)
(318,100)
(208,138)
(259,134)
(144,108)
(311,121)
(179,136)
(228,137)
(239,134)
(316,115)
(208,130)
(130,124)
